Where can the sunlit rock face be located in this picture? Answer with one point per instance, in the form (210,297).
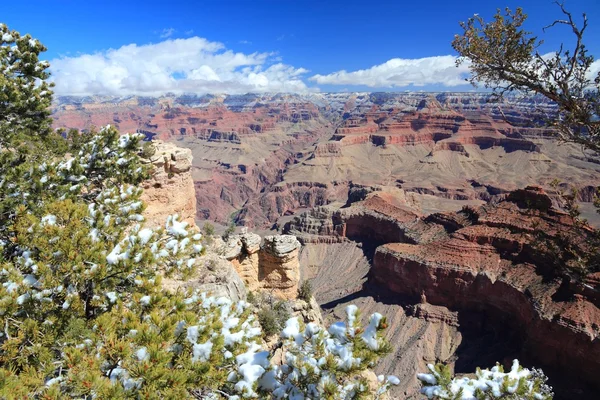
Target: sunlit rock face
(272,267)
(170,190)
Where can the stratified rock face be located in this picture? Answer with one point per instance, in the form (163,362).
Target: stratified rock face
(281,246)
(371,219)
(491,263)
(264,157)
(170,190)
(272,267)
(481,268)
(244,256)
(279,269)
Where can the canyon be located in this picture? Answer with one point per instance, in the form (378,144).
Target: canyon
(425,207)
(258,158)
(462,287)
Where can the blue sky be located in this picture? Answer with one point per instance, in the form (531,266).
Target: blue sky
(239,46)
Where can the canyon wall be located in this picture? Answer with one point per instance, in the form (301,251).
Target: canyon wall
(494,265)
(260,158)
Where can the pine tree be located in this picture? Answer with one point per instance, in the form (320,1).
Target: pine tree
(82,310)
(25,95)
(518,384)
(505,57)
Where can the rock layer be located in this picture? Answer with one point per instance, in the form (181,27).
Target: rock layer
(261,158)
(170,190)
(488,261)
(272,266)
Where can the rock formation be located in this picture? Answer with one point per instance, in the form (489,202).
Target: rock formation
(214,275)
(279,270)
(261,158)
(488,261)
(170,190)
(272,267)
(244,256)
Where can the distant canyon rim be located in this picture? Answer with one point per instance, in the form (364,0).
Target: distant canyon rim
(416,205)
(258,158)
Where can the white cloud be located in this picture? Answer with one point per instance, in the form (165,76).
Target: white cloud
(594,70)
(399,72)
(167,32)
(175,65)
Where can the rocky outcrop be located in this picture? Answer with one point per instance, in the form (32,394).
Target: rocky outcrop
(372,219)
(432,313)
(215,275)
(308,311)
(279,270)
(170,190)
(242,251)
(492,262)
(272,267)
(231,137)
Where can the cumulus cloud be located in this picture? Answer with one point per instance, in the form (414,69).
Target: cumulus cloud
(175,65)
(400,72)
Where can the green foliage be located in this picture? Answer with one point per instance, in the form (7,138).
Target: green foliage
(229,231)
(305,291)
(208,229)
(82,309)
(272,317)
(252,298)
(148,150)
(25,96)
(504,57)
